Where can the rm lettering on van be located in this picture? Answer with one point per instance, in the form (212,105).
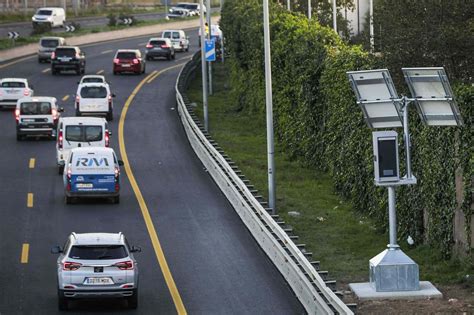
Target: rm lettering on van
(90,162)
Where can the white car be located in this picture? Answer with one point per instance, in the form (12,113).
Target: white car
(93,78)
(53,16)
(94,99)
(178,38)
(194,8)
(12,89)
(179,13)
(75,132)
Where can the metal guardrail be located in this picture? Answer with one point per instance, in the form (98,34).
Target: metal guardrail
(309,287)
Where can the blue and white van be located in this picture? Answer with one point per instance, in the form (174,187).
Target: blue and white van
(92,172)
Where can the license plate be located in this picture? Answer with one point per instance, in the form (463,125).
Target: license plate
(11,92)
(65,59)
(126,66)
(98,281)
(28,120)
(84,185)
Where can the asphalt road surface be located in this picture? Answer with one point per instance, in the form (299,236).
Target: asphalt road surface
(215,263)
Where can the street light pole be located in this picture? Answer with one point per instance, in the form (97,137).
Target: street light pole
(334,16)
(309,9)
(371,26)
(209,64)
(269,107)
(288,5)
(203,68)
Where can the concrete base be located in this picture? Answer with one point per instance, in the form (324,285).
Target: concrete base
(365,291)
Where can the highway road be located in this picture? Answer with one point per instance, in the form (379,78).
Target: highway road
(214,263)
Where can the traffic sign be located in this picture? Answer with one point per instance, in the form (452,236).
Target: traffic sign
(210,49)
(70,28)
(13,35)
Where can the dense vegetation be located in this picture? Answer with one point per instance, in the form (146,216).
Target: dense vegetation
(318,122)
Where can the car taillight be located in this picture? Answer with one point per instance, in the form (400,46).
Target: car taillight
(117,172)
(149,46)
(60,140)
(26,92)
(71,266)
(135,61)
(17,115)
(116,60)
(165,46)
(53,55)
(69,174)
(107,138)
(77,99)
(124,265)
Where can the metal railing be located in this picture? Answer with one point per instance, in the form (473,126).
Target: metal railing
(307,284)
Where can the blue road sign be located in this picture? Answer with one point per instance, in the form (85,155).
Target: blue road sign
(210,50)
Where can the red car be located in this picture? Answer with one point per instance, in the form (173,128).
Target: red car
(129,60)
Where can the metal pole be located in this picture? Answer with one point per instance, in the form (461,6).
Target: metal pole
(166,9)
(392,218)
(208,15)
(26,6)
(406,135)
(309,9)
(269,107)
(288,5)
(222,48)
(203,68)
(371,26)
(334,16)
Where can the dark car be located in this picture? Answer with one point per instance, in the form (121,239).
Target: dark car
(159,47)
(129,60)
(66,58)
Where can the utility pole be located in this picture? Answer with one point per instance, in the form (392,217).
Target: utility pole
(371,27)
(203,68)
(209,64)
(334,15)
(269,108)
(309,9)
(288,5)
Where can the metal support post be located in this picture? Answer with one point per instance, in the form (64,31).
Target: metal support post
(203,68)
(309,9)
(392,218)
(209,64)
(269,107)
(406,135)
(288,5)
(371,26)
(334,16)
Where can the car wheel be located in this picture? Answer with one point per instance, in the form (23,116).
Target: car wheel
(116,199)
(67,200)
(187,48)
(78,70)
(174,56)
(83,71)
(53,71)
(78,113)
(144,69)
(19,137)
(63,302)
(60,169)
(115,72)
(168,57)
(132,301)
(110,116)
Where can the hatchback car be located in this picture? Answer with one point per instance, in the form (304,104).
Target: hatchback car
(12,89)
(96,265)
(94,99)
(47,45)
(68,58)
(159,47)
(37,116)
(129,60)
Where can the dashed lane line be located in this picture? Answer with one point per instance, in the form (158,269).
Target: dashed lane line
(32,163)
(24,253)
(65,98)
(29,200)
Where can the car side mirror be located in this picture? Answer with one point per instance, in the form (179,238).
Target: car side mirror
(136,249)
(109,133)
(113,95)
(120,163)
(187,37)
(56,249)
(78,82)
(61,109)
(32,87)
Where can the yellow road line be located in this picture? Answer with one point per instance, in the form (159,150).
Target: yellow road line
(65,98)
(29,201)
(106,51)
(24,253)
(143,207)
(154,76)
(46,70)
(32,163)
(100,72)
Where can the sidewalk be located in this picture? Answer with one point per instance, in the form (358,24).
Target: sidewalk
(154,30)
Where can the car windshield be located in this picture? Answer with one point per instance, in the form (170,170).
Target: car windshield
(181,5)
(13,85)
(81,133)
(126,55)
(65,52)
(98,252)
(92,80)
(192,6)
(93,92)
(44,12)
(157,42)
(35,108)
(49,43)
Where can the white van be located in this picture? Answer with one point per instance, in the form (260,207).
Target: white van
(92,173)
(178,38)
(37,116)
(52,16)
(74,132)
(94,99)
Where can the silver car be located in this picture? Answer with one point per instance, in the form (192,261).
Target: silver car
(46,47)
(96,265)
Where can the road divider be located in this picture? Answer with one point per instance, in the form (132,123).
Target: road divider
(29,200)
(32,163)
(25,249)
(141,201)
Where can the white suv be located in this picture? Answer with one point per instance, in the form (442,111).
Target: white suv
(96,265)
(12,89)
(94,99)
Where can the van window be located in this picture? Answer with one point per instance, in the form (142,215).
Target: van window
(50,43)
(175,35)
(35,108)
(81,133)
(167,35)
(93,92)
(44,12)
(13,85)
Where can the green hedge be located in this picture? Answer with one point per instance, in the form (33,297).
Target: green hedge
(318,122)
